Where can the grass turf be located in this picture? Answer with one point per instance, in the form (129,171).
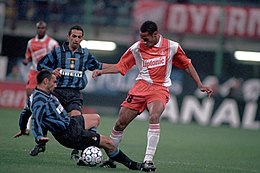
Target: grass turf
(182,149)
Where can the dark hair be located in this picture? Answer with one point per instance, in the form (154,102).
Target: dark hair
(77,27)
(149,26)
(42,75)
(41,22)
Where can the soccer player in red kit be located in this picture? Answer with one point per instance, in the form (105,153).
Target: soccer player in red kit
(154,56)
(37,48)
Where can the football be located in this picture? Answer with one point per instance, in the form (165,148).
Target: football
(92,156)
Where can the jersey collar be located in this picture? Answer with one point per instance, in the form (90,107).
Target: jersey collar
(159,42)
(42,39)
(65,47)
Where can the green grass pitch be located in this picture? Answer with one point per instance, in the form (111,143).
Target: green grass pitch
(182,149)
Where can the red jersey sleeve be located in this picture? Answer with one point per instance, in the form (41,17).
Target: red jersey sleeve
(180,59)
(126,62)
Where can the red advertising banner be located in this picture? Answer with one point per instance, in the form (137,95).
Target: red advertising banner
(12,94)
(199,19)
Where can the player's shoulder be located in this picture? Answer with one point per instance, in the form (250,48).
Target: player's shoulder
(37,97)
(51,38)
(172,43)
(39,94)
(136,45)
(31,40)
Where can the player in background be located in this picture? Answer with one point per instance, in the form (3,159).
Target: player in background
(37,48)
(69,131)
(154,56)
(69,62)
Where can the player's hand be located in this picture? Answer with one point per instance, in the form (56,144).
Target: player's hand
(20,133)
(206,89)
(43,140)
(25,61)
(56,72)
(96,73)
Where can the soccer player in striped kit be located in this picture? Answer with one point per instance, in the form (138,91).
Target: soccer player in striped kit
(154,56)
(69,62)
(69,131)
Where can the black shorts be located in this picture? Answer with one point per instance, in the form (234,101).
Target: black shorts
(70,99)
(76,136)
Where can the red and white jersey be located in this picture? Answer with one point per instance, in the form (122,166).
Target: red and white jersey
(38,48)
(154,63)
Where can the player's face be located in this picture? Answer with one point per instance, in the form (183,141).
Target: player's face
(74,39)
(52,84)
(41,30)
(149,39)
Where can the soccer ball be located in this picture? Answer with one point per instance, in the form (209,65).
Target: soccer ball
(92,156)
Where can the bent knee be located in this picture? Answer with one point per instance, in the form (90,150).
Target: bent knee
(74,113)
(155,118)
(97,119)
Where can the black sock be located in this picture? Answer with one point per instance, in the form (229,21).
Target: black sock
(122,158)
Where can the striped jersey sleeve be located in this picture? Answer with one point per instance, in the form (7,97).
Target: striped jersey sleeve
(47,113)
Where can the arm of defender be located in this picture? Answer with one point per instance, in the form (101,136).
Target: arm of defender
(24,117)
(107,69)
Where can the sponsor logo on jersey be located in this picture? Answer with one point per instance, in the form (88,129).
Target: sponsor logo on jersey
(73,73)
(154,62)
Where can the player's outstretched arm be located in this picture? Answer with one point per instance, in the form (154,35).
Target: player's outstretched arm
(107,69)
(194,75)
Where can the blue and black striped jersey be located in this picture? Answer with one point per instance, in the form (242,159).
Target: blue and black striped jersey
(47,113)
(24,117)
(73,64)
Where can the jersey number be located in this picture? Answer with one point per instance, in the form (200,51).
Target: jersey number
(129,98)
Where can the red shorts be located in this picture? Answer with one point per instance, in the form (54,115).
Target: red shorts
(32,82)
(143,93)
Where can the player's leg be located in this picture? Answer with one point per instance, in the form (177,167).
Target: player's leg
(74,109)
(155,109)
(70,99)
(117,155)
(157,97)
(72,102)
(125,116)
(91,121)
(130,108)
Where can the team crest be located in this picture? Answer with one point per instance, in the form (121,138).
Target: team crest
(72,63)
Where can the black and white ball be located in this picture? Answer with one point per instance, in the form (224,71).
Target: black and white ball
(92,156)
